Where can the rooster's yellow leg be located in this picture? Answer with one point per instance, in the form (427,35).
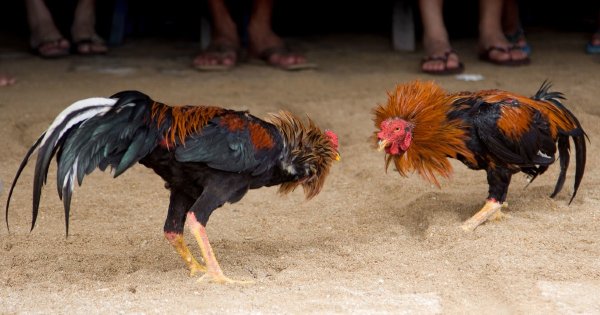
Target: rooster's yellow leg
(490,208)
(213,272)
(176,239)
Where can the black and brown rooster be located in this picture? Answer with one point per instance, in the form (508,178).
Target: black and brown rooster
(206,155)
(497,131)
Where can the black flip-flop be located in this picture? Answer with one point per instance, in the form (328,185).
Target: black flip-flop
(36,49)
(444,58)
(220,50)
(266,55)
(94,40)
(485,56)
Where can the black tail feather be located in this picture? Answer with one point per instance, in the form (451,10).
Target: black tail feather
(92,133)
(543,94)
(19,171)
(580,157)
(577,134)
(47,150)
(67,204)
(564,150)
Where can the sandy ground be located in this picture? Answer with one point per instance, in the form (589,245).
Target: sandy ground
(370,243)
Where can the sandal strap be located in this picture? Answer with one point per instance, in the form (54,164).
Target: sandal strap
(94,39)
(444,58)
(37,44)
(276,50)
(516,36)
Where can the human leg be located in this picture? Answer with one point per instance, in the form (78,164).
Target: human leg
(511,25)
(222,52)
(493,45)
(593,46)
(83,31)
(266,45)
(441,58)
(45,39)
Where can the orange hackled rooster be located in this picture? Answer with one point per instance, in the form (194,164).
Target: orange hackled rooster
(498,131)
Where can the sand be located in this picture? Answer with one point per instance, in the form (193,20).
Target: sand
(371,243)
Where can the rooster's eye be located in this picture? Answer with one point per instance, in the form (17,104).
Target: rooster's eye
(397,129)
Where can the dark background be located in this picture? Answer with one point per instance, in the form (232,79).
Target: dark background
(178,19)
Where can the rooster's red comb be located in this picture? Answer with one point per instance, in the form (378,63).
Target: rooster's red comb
(333,137)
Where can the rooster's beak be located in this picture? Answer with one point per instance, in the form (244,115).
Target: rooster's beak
(382,144)
(338,157)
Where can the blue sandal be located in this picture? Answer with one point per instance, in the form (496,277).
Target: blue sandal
(590,48)
(517,36)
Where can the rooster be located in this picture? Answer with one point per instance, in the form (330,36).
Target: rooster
(497,131)
(206,155)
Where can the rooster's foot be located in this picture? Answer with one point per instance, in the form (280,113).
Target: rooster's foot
(195,268)
(221,279)
(490,208)
(499,216)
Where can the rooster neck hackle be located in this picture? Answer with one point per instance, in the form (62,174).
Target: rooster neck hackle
(184,120)
(425,105)
(304,144)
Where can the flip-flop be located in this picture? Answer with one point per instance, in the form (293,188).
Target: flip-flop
(220,52)
(444,59)
(485,56)
(266,55)
(516,37)
(590,48)
(50,49)
(92,41)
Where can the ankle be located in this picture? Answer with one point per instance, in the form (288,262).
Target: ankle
(436,46)
(41,33)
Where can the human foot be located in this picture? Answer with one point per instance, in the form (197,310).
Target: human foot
(6,80)
(440,58)
(46,40)
(517,38)
(52,48)
(593,46)
(93,45)
(223,51)
(443,64)
(267,46)
(498,50)
(83,32)
(220,55)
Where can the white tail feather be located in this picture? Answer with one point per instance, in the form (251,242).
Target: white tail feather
(72,176)
(93,103)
